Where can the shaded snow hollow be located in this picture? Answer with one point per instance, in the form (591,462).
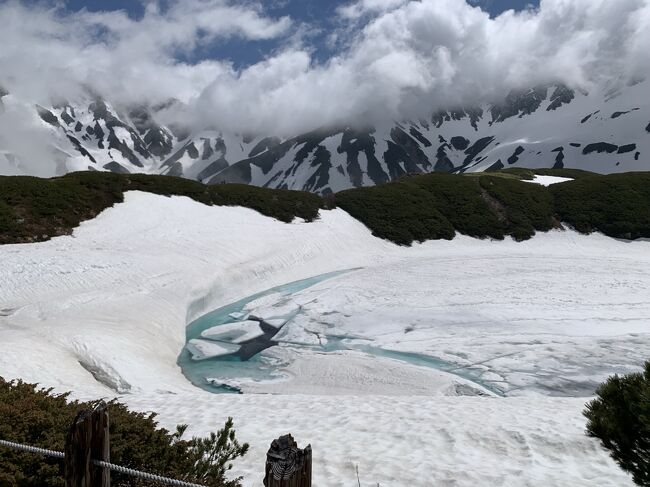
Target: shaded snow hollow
(105,310)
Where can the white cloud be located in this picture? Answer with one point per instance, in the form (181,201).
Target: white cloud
(401,59)
(409,60)
(47,52)
(360,8)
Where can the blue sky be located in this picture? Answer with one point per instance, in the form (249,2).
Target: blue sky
(319,14)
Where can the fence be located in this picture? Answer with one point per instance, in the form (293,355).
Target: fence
(87,457)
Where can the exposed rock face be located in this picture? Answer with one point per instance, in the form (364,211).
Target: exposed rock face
(618,114)
(116,168)
(561,96)
(600,147)
(3,93)
(515,155)
(540,127)
(519,104)
(47,116)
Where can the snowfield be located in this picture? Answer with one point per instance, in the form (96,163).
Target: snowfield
(548,180)
(408,440)
(539,323)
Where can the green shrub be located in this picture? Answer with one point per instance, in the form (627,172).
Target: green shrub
(399,212)
(565,173)
(462,202)
(34,209)
(620,418)
(434,206)
(282,204)
(520,172)
(414,208)
(39,418)
(527,207)
(529,174)
(617,205)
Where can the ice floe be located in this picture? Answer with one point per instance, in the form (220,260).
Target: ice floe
(237,332)
(205,349)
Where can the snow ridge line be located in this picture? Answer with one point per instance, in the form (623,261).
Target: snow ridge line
(100,463)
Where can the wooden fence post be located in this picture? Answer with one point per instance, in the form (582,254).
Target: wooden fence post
(287,465)
(88,439)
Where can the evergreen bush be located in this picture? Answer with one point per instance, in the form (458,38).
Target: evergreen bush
(40,418)
(620,418)
(414,208)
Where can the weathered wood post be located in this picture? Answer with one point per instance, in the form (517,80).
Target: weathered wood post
(287,465)
(88,439)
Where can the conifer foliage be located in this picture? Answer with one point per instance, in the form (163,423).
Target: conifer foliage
(620,418)
(40,418)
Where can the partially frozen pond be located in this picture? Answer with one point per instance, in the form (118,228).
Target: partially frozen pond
(228,346)
(518,329)
(209,354)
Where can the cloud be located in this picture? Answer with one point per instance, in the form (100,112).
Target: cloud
(397,59)
(406,61)
(48,52)
(21,134)
(360,8)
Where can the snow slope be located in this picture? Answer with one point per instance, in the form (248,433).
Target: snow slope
(129,281)
(103,313)
(605,130)
(408,440)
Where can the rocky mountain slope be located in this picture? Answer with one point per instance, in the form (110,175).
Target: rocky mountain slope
(550,126)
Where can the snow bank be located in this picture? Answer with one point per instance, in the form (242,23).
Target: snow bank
(103,312)
(547,180)
(120,291)
(408,440)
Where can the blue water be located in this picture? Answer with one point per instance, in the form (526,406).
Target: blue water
(233,367)
(260,367)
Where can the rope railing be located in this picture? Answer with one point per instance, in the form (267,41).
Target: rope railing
(99,463)
(144,475)
(32,449)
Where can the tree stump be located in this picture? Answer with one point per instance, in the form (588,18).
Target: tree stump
(287,465)
(87,440)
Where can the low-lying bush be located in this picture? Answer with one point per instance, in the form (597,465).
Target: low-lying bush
(34,209)
(38,417)
(617,205)
(413,208)
(434,206)
(620,418)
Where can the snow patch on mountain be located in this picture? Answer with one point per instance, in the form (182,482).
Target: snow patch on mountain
(604,131)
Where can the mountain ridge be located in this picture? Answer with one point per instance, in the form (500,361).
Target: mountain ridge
(545,126)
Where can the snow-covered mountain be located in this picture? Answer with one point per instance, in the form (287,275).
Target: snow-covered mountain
(606,130)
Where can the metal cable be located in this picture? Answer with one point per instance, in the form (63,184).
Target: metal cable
(102,464)
(143,475)
(32,449)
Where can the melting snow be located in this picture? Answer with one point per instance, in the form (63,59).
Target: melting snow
(203,349)
(548,180)
(237,332)
(534,317)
